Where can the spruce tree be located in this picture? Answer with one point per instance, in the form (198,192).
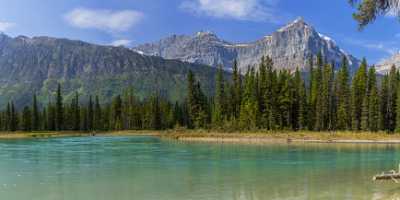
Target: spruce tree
(51,117)
(117,113)
(374,110)
(97,118)
(90,113)
(384,95)
(44,124)
(398,111)
(35,114)
(316,103)
(26,119)
(13,118)
(59,109)
(8,117)
(76,112)
(343,96)
(236,91)
(249,107)
(392,99)
(359,86)
(219,110)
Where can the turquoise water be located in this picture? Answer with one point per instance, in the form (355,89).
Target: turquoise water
(147,168)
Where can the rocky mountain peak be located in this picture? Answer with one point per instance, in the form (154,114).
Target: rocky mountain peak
(201,34)
(384,66)
(289,47)
(298,23)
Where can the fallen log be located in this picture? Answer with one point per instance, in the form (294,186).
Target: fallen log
(390,175)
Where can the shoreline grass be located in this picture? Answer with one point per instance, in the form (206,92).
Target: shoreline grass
(258,136)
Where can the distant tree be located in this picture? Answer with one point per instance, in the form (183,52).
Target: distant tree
(97,118)
(374,110)
(90,113)
(117,112)
(51,117)
(219,110)
(26,119)
(196,103)
(59,109)
(84,119)
(44,120)
(343,96)
(384,96)
(76,115)
(249,105)
(392,99)
(35,114)
(236,91)
(359,86)
(13,118)
(8,117)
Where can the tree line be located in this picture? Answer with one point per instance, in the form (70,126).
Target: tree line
(263,99)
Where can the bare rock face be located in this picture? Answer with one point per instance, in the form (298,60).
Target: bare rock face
(290,47)
(384,66)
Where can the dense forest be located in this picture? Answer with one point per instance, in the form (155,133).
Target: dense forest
(264,99)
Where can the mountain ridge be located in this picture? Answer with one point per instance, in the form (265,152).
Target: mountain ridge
(289,47)
(38,64)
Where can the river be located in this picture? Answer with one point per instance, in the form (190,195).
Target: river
(149,168)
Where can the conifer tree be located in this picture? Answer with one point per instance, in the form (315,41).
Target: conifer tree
(90,113)
(236,91)
(155,122)
(117,113)
(51,117)
(365,114)
(97,118)
(196,103)
(35,114)
(359,86)
(76,112)
(84,121)
(343,96)
(8,117)
(249,108)
(384,94)
(398,111)
(219,110)
(316,103)
(26,119)
(374,110)
(44,124)
(59,109)
(392,99)
(13,118)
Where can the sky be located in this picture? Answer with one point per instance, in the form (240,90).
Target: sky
(133,22)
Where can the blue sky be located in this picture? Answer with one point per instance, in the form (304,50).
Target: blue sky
(132,22)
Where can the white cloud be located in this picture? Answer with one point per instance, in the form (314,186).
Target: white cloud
(253,10)
(388,47)
(106,20)
(4,26)
(122,42)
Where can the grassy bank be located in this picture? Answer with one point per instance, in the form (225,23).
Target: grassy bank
(283,136)
(51,134)
(221,136)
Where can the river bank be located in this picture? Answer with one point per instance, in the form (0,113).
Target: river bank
(284,137)
(52,134)
(228,137)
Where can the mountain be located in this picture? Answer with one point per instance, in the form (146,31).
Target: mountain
(289,47)
(384,66)
(38,64)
